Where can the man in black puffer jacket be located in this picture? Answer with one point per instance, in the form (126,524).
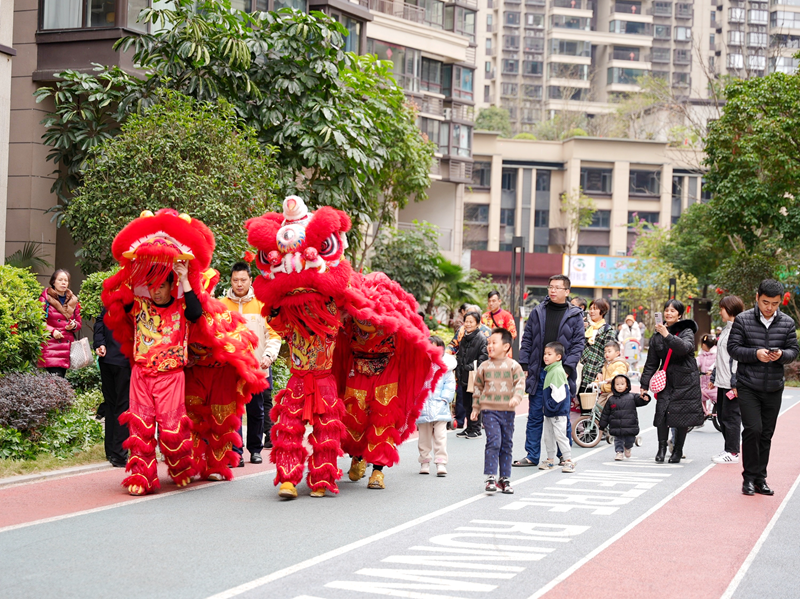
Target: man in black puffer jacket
(762,340)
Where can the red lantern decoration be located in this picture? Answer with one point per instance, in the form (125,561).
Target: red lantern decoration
(786,297)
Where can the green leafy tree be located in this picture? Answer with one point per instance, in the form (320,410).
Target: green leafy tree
(524,135)
(410,257)
(494,119)
(91,288)
(192,156)
(346,134)
(22,328)
(754,165)
(646,281)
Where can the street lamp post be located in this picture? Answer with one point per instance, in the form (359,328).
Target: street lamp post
(515,304)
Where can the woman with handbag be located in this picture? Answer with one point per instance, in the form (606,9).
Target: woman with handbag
(63,319)
(671,374)
(471,354)
(598,334)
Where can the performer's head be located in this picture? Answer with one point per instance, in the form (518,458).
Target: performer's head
(161,294)
(241,279)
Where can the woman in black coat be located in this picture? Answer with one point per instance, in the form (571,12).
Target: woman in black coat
(679,405)
(471,350)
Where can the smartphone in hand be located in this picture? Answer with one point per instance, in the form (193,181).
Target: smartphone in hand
(659,317)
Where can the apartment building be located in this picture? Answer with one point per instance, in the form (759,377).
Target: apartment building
(517,187)
(7,54)
(431,44)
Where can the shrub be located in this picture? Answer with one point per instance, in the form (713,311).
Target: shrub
(66,432)
(85,379)
(792,371)
(26,400)
(280,375)
(22,328)
(91,288)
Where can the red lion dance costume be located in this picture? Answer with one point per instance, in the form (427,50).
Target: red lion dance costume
(349,335)
(223,372)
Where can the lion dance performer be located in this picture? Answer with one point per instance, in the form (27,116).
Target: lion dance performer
(349,333)
(148,315)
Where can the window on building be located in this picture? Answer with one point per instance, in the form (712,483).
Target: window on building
(645,183)
(593,250)
(476,226)
(630,27)
(662,9)
(540,249)
(541,218)
(431,78)
(81,14)
(509,66)
(650,218)
(736,38)
(542,180)
(735,15)
(570,47)
(712,42)
(662,32)
(562,70)
(509,180)
(534,20)
(757,17)
(705,193)
(406,62)
(507,216)
(488,66)
(783,64)
(509,89)
(625,53)
(533,44)
(476,214)
(461,140)
(677,197)
(488,45)
(511,42)
(532,67)
(533,92)
(487,93)
(713,17)
(353,38)
(489,27)
(511,18)
(300,5)
(624,76)
(683,34)
(735,61)
(757,40)
(482,174)
(660,55)
(756,63)
(601,219)
(596,180)
(436,131)
(565,22)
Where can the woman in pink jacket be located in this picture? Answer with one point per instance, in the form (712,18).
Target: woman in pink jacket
(63,318)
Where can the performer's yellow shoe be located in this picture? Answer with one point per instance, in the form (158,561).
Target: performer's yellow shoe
(183,481)
(376,480)
(358,468)
(318,492)
(136,490)
(287,491)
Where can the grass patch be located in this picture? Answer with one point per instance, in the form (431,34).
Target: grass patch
(46,462)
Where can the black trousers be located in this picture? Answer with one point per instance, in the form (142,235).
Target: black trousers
(472,426)
(729,417)
(267,393)
(760,411)
(62,372)
(255,425)
(115,382)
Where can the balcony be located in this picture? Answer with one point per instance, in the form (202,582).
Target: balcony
(535,3)
(431,105)
(401,10)
(632,55)
(462,112)
(630,8)
(682,57)
(409,83)
(575,4)
(660,9)
(460,172)
(683,11)
(659,55)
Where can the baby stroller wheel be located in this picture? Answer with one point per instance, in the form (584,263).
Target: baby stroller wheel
(638,441)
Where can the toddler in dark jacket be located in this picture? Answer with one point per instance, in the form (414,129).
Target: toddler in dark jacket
(619,415)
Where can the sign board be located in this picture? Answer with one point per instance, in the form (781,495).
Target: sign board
(596,271)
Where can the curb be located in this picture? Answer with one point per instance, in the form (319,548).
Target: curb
(52,474)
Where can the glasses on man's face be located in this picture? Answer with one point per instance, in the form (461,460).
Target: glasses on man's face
(554,288)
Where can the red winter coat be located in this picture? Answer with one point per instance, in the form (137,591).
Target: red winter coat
(55,352)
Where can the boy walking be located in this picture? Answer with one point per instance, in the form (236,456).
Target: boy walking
(619,416)
(555,408)
(498,389)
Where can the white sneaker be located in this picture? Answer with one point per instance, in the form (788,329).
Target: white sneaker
(619,457)
(441,470)
(628,453)
(425,468)
(718,455)
(726,458)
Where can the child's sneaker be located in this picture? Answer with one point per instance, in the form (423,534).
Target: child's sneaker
(619,457)
(504,484)
(627,452)
(491,487)
(726,458)
(547,465)
(569,466)
(425,468)
(462,434)
(441,470)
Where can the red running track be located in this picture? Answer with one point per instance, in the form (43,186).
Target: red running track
(697,542)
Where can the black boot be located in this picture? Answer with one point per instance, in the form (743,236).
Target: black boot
(662,451)
(677,449)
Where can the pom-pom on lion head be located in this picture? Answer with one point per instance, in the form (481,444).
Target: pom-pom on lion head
(300,251)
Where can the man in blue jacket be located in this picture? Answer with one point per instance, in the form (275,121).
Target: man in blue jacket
(555,319)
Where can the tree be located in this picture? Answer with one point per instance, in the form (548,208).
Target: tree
(193,156)
(646,281)
(577,211)
(753,162)
(410,257)
(346,134)
(494,119)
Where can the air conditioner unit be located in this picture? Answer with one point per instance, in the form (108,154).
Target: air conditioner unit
(448,114)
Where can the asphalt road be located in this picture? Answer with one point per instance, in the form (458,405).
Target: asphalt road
(623,527)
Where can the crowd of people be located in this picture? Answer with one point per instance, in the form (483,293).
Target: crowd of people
(737,373)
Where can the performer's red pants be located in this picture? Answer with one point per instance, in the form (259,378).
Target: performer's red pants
(157,398)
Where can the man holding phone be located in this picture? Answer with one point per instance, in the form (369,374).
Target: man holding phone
(762,340)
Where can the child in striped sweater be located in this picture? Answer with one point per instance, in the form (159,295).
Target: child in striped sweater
(498,390)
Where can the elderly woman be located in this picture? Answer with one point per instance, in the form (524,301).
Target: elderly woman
(63,318)
(598,333)
(679,404)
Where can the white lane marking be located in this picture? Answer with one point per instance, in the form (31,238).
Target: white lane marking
(249,586)
(112,506)
(572,569)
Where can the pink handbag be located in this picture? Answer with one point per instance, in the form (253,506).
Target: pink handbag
(659,380)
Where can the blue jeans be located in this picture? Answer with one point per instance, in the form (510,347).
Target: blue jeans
(499,428)
(533,431)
